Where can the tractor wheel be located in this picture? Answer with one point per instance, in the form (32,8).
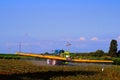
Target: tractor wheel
(51,62)
(54,62)
(48,61)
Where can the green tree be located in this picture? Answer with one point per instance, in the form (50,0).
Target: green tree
(98,53)
(113,48)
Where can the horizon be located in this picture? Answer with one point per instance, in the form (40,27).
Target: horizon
(43,26)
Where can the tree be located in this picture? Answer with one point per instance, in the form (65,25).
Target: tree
(113,48)
(98,53)
(118,53)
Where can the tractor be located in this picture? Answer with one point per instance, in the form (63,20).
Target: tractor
(60,53)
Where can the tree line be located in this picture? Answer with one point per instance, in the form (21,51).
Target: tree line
(112,52)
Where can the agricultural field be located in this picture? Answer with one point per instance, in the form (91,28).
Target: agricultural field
(13,56)
(14,69)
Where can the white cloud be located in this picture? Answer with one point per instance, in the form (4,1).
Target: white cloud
(82,38)
(94,39)
(118,38)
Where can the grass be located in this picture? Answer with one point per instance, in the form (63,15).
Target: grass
(25,70)
(13,56)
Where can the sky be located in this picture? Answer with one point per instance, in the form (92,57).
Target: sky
(40,26)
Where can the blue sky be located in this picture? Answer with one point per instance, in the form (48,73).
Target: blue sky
(46,25)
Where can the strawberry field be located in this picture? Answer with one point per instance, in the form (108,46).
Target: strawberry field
(11,69)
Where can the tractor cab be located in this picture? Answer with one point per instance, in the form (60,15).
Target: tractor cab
(64,54)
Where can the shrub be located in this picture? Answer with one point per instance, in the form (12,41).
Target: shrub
(116,61)
(98,53)
(106,58)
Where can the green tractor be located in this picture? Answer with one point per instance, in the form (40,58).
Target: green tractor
(61,53)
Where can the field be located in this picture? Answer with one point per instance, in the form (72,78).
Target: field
(13,56)
(11,69)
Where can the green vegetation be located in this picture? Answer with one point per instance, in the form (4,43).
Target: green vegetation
(113,48)
(116,61)
(24,70)
(13,56)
